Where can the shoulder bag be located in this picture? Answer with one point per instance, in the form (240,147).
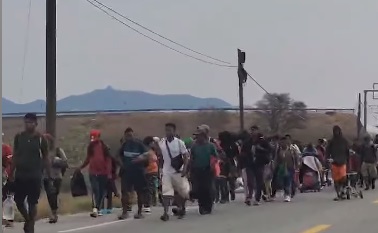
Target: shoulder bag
(176,162)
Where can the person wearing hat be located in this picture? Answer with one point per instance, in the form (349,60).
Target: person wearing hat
(203,153)
(99,162)
(30,159)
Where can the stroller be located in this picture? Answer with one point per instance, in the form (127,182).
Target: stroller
(310,173)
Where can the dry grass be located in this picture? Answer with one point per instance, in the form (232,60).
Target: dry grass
(73,131)
(73,134)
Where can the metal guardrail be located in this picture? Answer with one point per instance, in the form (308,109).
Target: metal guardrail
(113,112)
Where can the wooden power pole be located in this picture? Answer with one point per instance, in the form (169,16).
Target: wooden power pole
(359,125)
(51,68)
(242,75)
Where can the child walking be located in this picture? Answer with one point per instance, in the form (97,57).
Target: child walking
(221,183)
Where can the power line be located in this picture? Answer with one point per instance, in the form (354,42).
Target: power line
(159,35)
(26,43)
(156,41)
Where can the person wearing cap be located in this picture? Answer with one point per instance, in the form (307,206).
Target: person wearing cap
(203,153)
(30,159)
(134,157)
(99,161)
(174,173)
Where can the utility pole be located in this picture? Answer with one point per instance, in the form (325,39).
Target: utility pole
(242,74)
(365,106)
(359,116)
(51,68)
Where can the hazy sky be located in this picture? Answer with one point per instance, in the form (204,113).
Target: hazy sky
(321,51)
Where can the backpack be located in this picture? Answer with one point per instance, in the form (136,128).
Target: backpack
(16,142)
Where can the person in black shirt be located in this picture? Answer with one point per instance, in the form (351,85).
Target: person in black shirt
(30,159)
(258,152)
(231,151)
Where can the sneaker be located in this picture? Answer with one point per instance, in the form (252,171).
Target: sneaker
(175,211)
(287,199)
(102,212)
(181,214)
(123,216)
(248,202)
(164,217)
(256,203)
(109,211)
(138,216)
(9,224)
(147,210)
(53,218)
(94,213)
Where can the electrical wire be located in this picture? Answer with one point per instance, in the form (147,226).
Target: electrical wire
(156,41)
(268,93)
(26,45)
(159,35)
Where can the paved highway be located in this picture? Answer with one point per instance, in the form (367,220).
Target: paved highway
(308,213)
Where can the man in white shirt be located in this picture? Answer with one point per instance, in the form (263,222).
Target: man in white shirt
(175,164)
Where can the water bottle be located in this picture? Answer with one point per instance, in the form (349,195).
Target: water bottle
(9,208)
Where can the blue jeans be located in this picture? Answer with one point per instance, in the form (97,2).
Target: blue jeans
(288,182)
(99,189)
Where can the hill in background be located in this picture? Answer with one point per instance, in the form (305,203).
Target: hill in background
(112,99)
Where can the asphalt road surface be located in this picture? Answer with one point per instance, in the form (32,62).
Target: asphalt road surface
(308,213)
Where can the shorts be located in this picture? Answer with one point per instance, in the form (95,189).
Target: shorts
(131,182)
(369,170)
(27,188)
(339,172)
(174,182)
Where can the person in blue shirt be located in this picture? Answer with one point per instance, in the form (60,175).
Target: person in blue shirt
(133,157)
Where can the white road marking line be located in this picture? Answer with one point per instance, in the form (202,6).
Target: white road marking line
(109,223)
(93,226)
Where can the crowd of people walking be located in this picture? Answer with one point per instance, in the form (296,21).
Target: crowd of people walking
(173,171)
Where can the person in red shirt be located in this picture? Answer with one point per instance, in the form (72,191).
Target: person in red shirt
(7,158)
(99,161)
(6,163)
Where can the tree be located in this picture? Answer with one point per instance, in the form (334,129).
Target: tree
(281,113)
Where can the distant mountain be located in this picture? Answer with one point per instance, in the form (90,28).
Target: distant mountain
(111,99)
